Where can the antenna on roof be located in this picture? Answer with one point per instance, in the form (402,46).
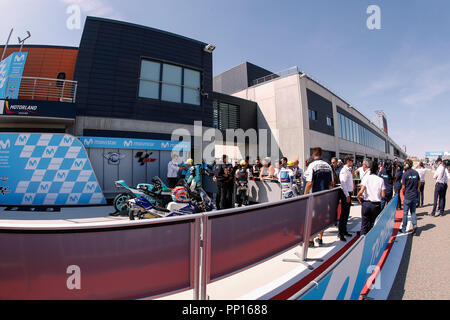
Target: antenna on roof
(23,40)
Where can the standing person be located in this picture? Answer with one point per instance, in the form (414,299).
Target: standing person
(172,171)
(440,189)
(287,180)
(334,166)
(256,170)
(346,179)
(298,176)
(387,174)
(224,178)
(339,167)
(422,172)
(319,177)
(241,179)
(364,170)
(398,183)
(283,163)
(267,170)
(410,191)
(370,195)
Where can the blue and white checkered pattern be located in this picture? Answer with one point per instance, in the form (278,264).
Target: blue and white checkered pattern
(55,171)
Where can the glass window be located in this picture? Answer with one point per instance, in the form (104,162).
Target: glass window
(149,89)
(150,70)
(312,114)
(329,122)
(191,91)
(339,126)
(171,87)
(346,128)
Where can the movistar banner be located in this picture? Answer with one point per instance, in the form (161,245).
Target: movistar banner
(436,154)
(46,169)
(11,70)
(125,143)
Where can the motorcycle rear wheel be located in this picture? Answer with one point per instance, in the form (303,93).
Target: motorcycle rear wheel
(120,202)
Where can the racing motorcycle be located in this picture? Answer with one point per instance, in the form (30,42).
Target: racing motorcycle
(156,193)
(184,201)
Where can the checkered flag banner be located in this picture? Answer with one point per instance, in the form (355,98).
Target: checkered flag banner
(46,169)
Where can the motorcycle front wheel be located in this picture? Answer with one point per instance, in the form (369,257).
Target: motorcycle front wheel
(120,202)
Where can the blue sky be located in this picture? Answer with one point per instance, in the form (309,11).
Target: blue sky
(403,69)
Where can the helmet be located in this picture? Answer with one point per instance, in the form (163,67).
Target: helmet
(290,163)
(189,161)
(180,194)
(243,163)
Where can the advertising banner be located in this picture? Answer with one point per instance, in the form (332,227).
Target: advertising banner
(46,169)
(11,70)
(126,143)
(348,278)
(37,108)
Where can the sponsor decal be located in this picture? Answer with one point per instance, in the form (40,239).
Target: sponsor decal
(113,158)
(144,157)
(5,144)
(128,143)
(22,109)
(4,179)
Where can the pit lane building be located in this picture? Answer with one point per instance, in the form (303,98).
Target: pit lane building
(127,87)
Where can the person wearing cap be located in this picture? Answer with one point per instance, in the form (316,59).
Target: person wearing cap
(287,180)
(319,177)
(193,178)
(346,179)
(410,191)
(241,179)
(440,189)
(370,195)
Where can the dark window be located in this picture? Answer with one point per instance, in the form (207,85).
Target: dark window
(169,82)
(225,116)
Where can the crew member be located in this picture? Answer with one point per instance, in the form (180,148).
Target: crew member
(224,178)
(319,177)
(346,179)
(422,172)
(387,175)
(440,189)
(172,171)
(193,178)
(370,195)
(241,178)
(410,191)
(398,183)
(287,181)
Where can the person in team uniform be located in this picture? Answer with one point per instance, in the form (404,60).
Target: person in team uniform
(387,175)
(370,195)
(286,177)
(422,172)
(410,190)
(346,179)
(440,189)
(319,177)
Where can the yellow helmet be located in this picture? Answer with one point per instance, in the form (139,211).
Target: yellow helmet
(243,163)
(189,161)
(290,163)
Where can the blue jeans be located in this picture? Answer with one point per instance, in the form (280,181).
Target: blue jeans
(409,206)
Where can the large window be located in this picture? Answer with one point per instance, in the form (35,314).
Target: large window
(352,131)
(225,115)
(168,82)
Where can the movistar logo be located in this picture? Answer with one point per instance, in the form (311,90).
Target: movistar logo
(50,151)
(32,163)
(44,186)
(79,163)
(5,144)
(165,144)
(68,139)
(19,57)
(73,198)
(23,139)
(28,198)
(61,175)
(128,143)
(90,186)
(88,142)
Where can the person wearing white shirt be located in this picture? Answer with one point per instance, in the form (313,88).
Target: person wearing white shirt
(172,171)
(346,179)
(441,176)
(422,171)
(364,170)
(370,195)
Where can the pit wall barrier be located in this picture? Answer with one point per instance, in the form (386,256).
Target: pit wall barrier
(351,276)
(46,169)
(154,258)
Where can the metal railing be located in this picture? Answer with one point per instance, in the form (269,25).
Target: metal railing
(35,88)
(283,73)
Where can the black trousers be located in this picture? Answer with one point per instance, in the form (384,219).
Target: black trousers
(439,193)
(225,195)
(345,212)
(369,213)
(421,196)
